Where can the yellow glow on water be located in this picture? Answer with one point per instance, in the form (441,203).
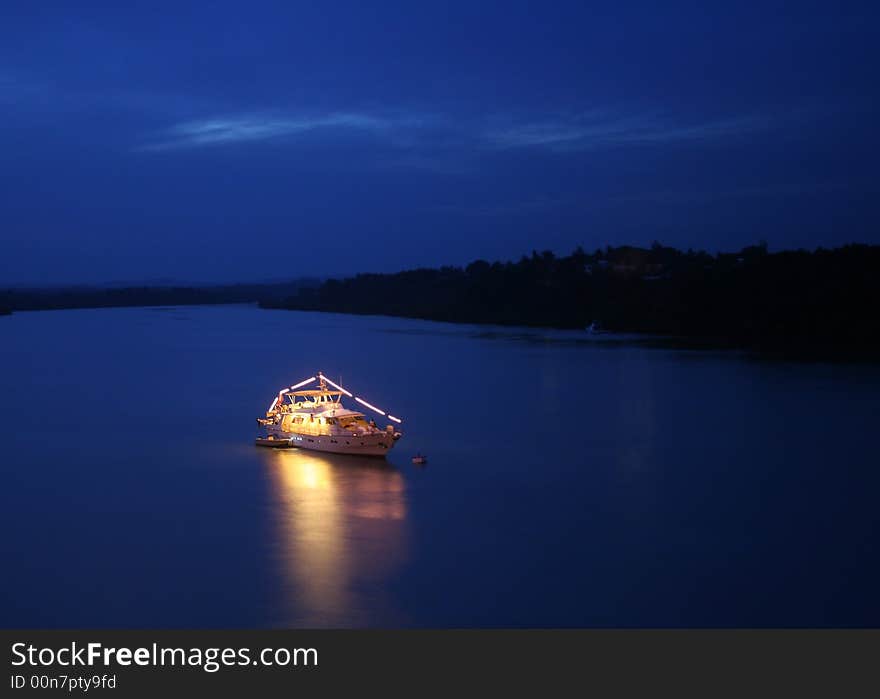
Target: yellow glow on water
(341,523)
(314,477)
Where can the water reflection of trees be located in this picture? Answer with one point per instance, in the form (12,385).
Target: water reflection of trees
(341,533)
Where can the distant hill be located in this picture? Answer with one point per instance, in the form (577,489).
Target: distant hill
(24,299)
(820,302)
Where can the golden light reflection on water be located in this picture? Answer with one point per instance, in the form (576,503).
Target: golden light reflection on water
(341,534)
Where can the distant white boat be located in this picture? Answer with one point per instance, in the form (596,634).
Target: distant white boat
(316,419)
(595,328)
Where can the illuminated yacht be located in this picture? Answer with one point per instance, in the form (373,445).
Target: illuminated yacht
(316,419)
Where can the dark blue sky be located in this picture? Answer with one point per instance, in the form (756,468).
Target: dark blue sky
(246,141)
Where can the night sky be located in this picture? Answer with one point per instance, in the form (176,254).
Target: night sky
(245,141)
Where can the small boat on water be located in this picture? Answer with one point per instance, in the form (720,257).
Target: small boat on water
(316,419)
(270,441)
(420,459)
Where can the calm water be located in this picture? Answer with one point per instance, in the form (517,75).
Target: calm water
(569,484)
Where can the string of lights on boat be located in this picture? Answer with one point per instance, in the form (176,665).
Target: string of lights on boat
(306,382)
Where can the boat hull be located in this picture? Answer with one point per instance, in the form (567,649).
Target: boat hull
(363,445)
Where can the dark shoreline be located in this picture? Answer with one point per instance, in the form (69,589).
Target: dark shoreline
(790,304)
(818,305)
(64,298)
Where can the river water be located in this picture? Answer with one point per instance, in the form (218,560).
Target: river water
(570,482)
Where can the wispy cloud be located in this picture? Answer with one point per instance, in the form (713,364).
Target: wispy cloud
(423,137)
(262,127)
(602,130)
(426,140)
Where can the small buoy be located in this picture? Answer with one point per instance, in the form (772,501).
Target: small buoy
(420,459)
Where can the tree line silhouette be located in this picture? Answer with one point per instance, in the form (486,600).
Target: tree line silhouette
(820,302)
(811,302)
